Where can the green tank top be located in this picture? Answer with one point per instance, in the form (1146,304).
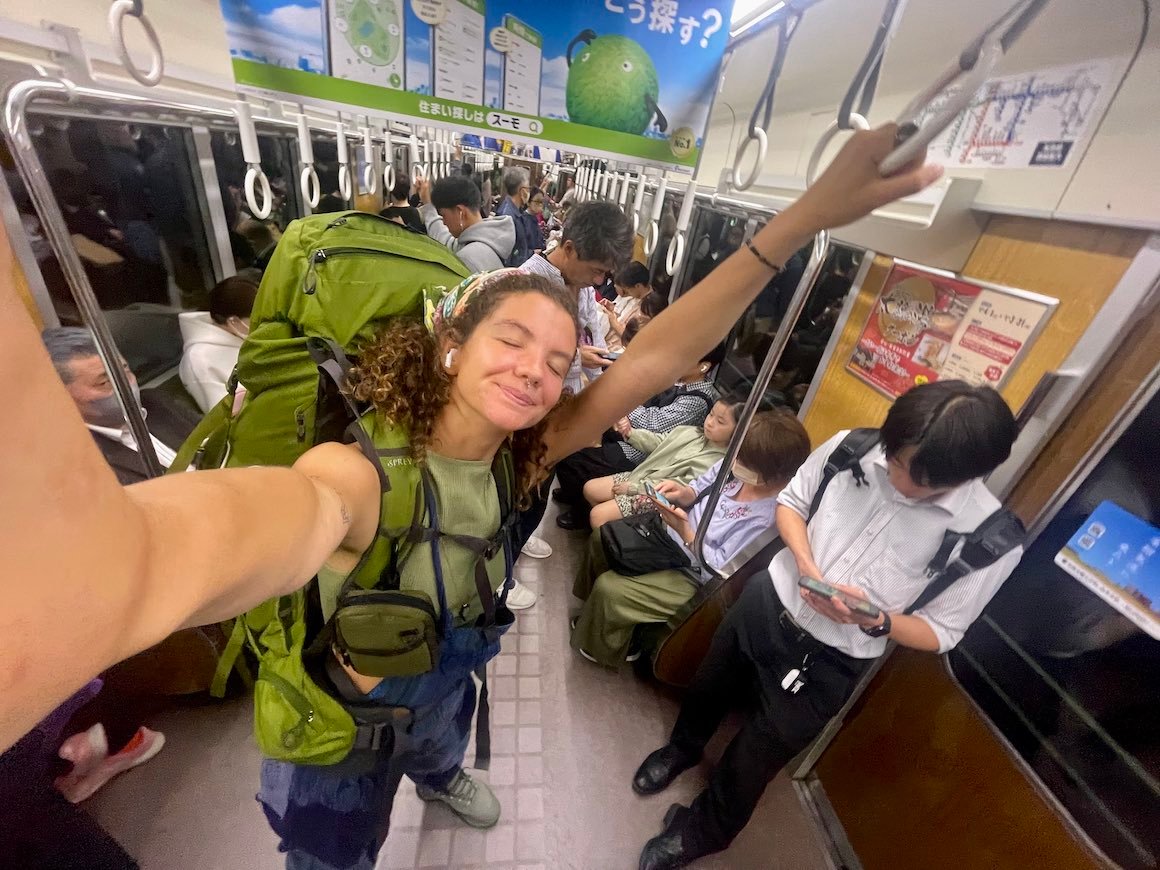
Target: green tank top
(468,505)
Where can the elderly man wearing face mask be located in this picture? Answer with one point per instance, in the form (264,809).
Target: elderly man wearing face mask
(74,354)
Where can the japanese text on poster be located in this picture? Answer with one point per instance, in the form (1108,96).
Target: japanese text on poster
(1114,554)
(927,326)
(625,79)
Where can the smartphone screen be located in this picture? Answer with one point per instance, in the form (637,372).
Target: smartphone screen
(651,491)
(858,605)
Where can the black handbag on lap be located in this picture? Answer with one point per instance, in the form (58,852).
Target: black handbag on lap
(641,544)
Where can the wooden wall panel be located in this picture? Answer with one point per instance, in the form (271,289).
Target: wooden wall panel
(919,781)
(1078,264)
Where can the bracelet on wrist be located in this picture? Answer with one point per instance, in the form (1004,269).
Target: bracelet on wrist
(764,260)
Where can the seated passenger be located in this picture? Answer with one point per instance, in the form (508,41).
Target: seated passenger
(451,212)
(774,448)
(801,655)
(686,404)
(213,338)
(684,454)
(632,287)
(74,355)
(400,210)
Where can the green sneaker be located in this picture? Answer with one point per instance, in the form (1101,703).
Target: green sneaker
(469,799)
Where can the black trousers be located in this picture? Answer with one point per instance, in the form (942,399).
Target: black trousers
(751,653)
(585,465)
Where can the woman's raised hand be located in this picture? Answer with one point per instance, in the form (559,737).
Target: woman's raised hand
(852,187)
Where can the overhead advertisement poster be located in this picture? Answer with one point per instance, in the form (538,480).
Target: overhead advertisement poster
(927,325)
(625,79)
(1113,555)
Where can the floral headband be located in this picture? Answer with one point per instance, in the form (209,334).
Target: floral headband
(442,306)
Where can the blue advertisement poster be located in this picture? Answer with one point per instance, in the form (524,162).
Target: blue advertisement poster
(627,79)
(1114,553)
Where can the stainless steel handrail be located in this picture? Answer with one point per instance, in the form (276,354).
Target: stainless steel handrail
(796,305)
(31,170)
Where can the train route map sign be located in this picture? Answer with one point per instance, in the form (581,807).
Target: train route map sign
(1030,120)
(927,325)
(632,80)
(1115,554)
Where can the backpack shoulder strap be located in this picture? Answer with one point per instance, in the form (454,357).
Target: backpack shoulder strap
(847,456)
(402,507)
(996,536)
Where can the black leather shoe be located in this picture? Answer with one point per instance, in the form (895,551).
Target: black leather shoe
(572,523)
(670,850)
(658,771)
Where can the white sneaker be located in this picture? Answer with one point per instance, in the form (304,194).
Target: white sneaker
(520,597)
(537,548)
(468,798)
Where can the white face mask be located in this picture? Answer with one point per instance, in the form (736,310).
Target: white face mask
(746,475)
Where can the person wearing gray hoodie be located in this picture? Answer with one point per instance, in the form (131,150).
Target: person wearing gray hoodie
(451,212)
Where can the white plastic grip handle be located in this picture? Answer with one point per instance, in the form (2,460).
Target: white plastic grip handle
(117,13)
(966,86)
(856,120)
(246,133)
(345,188)
(388,161)
(676,253)
(625,180)
(307,179)
(652,237)
(305,143)
(606,188)
(658,202)
(638,202)
(262,210)
(686,215)
(369,176)
(762,141)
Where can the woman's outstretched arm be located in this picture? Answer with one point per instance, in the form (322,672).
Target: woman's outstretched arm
(94,572)
(850,188)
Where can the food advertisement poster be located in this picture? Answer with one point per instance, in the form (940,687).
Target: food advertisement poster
(626,79)
(1114,553)
(927,325)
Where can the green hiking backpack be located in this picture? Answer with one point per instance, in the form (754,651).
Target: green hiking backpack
(332,279)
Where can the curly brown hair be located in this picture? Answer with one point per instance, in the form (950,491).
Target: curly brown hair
(400,374)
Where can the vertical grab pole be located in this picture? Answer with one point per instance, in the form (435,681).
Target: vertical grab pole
(44,200)
(797,304)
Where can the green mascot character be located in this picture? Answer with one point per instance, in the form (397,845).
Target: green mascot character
(612,84)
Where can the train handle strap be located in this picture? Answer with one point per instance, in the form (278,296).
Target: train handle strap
(136,8)
(309,185)
(865,83)
(967,75)
(260,211)
(857,122)
(763,111)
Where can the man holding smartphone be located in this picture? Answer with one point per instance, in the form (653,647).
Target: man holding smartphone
(800,653)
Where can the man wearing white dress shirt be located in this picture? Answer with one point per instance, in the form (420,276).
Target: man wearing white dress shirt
(798,654)
(74,354)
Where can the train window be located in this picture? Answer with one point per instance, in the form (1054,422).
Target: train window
(717,234)
(1070,682)
(253,240)
(128,196)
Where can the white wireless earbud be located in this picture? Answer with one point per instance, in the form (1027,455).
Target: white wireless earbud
(449,359)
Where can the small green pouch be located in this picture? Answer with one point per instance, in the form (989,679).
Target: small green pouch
(387,633)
